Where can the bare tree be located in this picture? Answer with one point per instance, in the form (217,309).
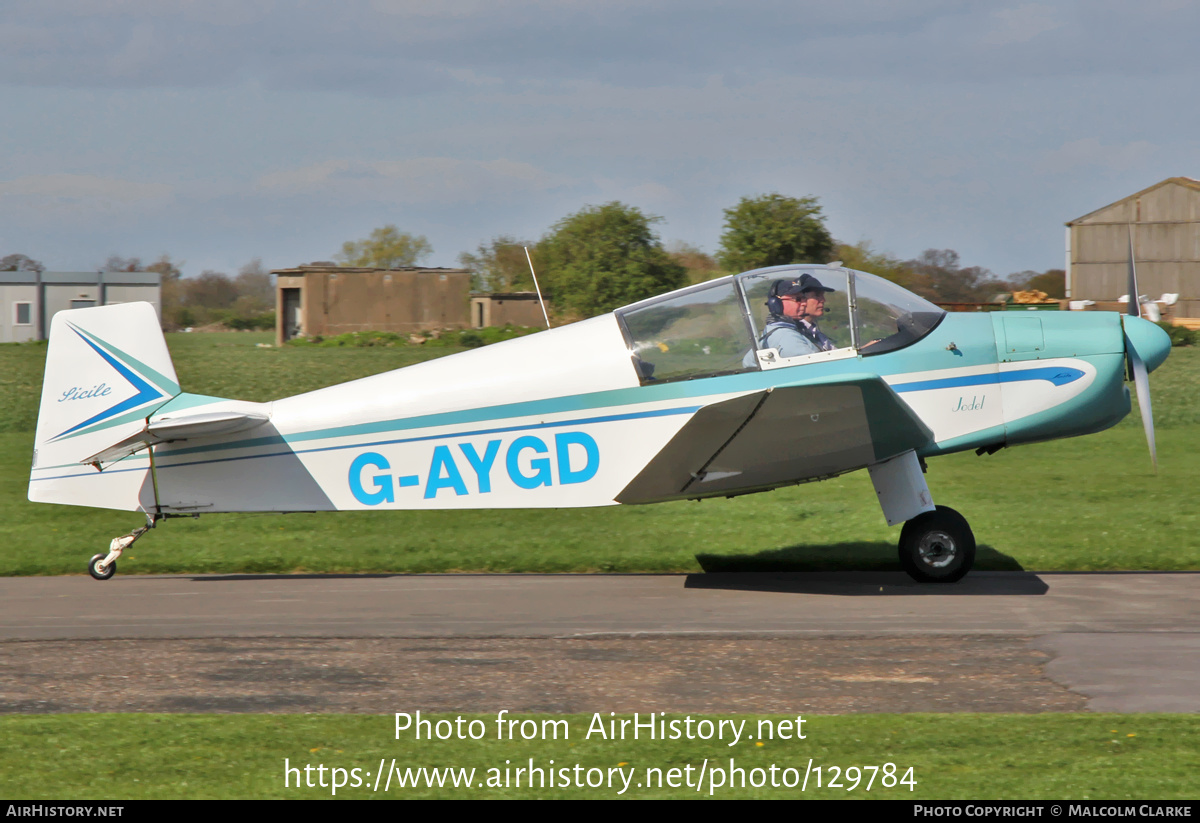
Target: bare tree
(862,257)
(954,283)
(20,262)
(117,263)
(211,290)
(256,292)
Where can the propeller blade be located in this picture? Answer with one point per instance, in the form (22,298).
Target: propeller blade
(1141,381)
(1134,308)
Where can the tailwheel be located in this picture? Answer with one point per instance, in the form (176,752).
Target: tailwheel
(104,566)
(100,570)
(937,546)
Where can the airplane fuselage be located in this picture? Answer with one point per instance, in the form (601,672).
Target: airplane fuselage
(563,418)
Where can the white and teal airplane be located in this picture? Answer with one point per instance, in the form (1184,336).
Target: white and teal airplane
(671,398)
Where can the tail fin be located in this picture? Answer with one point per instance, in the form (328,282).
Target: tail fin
(107,370)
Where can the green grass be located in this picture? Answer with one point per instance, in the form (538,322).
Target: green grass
(1029,509)
(1056,757)
(1082,504)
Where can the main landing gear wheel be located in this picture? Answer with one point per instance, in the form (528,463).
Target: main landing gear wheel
(94,570)
(937,546)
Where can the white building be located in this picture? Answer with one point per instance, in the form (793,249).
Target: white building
(29,299)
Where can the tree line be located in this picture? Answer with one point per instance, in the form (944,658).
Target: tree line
(603,257)
(591,262)
(244,301)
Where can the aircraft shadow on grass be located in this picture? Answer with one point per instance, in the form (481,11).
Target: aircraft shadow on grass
(852,569)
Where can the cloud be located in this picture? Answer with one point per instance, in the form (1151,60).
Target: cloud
(435,180)
(1090,152)
(655,195)
(224,12)
(139,54)
(398,48)
(1021,24)
(463,9)
(79,192)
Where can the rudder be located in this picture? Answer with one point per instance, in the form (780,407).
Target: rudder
(107,370)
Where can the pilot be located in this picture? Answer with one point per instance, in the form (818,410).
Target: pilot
(795,306)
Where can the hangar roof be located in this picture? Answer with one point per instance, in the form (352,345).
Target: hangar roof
(1090,217)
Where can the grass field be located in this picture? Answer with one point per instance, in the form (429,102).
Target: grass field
(1024,757)
(1082,504)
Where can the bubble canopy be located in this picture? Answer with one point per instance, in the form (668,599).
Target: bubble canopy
(720,327)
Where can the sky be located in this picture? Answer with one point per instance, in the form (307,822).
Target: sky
(218,131)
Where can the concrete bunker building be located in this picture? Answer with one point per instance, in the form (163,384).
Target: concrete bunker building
(520,308)
(324,299)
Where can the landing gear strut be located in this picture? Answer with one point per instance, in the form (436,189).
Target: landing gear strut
(937,546)
(104,566)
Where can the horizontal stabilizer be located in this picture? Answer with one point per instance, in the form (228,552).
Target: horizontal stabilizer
(167,427)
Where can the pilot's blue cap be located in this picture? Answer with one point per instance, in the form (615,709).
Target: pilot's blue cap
(805,282)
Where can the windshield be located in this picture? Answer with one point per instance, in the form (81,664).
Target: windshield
(889,317)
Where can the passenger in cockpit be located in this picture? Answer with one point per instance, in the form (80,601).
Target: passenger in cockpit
(795,306)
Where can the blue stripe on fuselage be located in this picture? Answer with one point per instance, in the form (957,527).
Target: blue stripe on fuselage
(1058,375)
(976,348)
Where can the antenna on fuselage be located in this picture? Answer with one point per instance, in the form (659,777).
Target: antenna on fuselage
(537,287)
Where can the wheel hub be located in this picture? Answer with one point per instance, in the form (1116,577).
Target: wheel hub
(937,549)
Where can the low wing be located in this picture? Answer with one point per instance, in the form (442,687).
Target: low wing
(179,426)
(785,434)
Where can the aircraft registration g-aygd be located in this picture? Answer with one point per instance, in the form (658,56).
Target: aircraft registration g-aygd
(706,391)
